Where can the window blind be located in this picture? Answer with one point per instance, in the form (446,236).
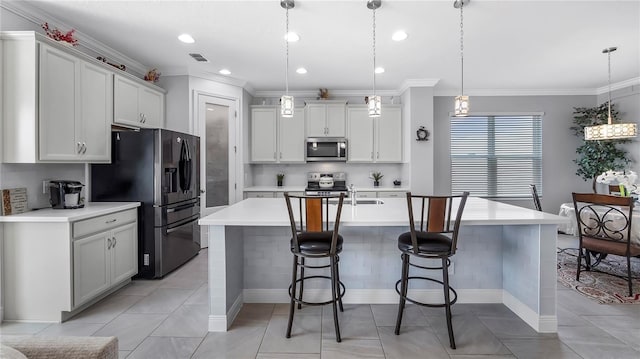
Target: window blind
(496,156)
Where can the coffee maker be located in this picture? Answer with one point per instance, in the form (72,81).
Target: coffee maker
(65,194)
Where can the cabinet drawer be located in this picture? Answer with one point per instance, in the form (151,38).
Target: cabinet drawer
(259,195)
(103,223)
(392,194)
(366,194)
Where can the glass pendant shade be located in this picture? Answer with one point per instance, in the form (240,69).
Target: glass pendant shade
(286,106)
(461,106)
(375,106)
(611,131)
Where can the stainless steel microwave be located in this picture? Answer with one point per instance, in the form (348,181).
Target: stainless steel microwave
(320,149)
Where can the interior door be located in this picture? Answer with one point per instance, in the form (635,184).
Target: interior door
(218,142)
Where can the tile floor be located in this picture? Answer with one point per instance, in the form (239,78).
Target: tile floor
(168,319)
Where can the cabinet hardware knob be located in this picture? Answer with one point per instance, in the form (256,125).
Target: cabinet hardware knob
(108,243)
(111,220)
(84,148)
(378,155)
(115,241)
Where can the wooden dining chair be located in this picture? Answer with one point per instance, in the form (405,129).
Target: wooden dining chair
(614,189)
(604,225)
(536,198)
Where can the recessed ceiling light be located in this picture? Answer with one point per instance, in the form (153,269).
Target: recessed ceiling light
(209,109)
(291,36)
(224,72)
(186,38)
(399,36)
(301,70)
(379,70)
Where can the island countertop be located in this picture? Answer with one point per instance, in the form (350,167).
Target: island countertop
(392,212)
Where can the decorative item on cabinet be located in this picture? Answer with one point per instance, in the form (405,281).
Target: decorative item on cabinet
(323,94)
(397,182)
(61,37)
(104,59)
(376,176)
(422,134)
(152,75)
(280,178)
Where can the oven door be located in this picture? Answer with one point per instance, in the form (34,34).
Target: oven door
(180,242)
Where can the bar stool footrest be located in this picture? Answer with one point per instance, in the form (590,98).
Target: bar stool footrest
(340,295)
(436,305)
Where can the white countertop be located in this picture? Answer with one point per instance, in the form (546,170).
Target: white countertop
(478,211)
(301,189)
(92,209)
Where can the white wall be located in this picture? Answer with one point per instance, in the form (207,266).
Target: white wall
(420,113)
(177,114)
(559,143)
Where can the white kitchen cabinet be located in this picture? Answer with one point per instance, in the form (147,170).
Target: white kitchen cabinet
(276,139)
(54,269)
(103,259)
(374,139)
(136,104)
(325,119)
(262,194)
(60,105)
(366,194)
(396,194)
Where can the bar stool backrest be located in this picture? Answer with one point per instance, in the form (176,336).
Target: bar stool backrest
(435,216)
(536,198)
(312,214)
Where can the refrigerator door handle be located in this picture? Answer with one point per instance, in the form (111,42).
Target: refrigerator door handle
(181,208)
(190,222)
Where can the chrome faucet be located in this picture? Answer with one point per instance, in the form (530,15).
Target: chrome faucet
(352,194)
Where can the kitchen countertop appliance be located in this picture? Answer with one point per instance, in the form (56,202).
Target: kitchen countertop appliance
(322,184)
(65,194)
(161,169)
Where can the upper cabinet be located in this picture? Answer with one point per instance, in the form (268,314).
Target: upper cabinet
(374,139)
(137,105)
(276,139)
(57,106)
(326,118)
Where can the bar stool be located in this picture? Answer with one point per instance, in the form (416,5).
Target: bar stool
(435,238)
(311,237)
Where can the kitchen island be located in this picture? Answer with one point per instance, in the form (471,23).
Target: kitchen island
(506,254)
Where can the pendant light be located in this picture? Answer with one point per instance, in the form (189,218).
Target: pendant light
(375,103)
(461,104)
(286,101)
(610,131)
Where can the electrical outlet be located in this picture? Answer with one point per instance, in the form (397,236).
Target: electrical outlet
(45,186)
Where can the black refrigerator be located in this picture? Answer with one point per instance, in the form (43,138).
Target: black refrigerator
(161,169)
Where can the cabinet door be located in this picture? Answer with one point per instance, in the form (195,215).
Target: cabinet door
(151,107)
(124,252)
(125,102)
(259,195)
(336,124)
(389,136)
(291,139)
(263,134)
(59,109)
(91,267)
(96,103)
(316,120)
(360,138)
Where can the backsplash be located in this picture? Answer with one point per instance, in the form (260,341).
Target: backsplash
(30,176)
(357,173)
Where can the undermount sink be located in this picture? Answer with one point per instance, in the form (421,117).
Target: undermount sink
(358,201)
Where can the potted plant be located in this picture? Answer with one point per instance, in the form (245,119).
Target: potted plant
(596,157)
(376,176)
(280,178)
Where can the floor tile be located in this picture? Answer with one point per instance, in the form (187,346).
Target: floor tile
(491,310)
(184,282)
(351,349)
(456,309)
(386,315)
(534,348)
(593,342)
(471,336)
(305,335)
(283,309)
(201,296)
(286,356)
(240,342)
(70,329)
(107,309)
(165,348)
(509,327)
(15,328)
(141,287)
(256,311)
(186,321)
(131,329)
(122,354)
(569,318)
(625,329)
(412,343)
(483,357)
(162,300)
(356,322)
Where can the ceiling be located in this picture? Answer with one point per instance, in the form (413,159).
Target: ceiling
(508,45)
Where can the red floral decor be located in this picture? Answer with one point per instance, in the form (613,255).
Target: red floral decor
(59,35)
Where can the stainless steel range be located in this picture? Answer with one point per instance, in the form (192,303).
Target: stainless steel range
(322,184)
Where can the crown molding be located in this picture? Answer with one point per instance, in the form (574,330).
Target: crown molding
(38,17)
(406,84)
(618,85)
(313,93)
(516,92)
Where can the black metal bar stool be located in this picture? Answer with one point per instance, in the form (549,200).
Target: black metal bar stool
(435,238)
(313,238)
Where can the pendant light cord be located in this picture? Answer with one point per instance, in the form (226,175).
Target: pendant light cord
(609,82)
(286,40)
(461,49)
(374,52)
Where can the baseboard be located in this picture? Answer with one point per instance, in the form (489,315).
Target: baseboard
(541,323)
(373,296)
(220,323)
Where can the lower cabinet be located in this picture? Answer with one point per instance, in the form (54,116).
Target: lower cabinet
(102,260)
